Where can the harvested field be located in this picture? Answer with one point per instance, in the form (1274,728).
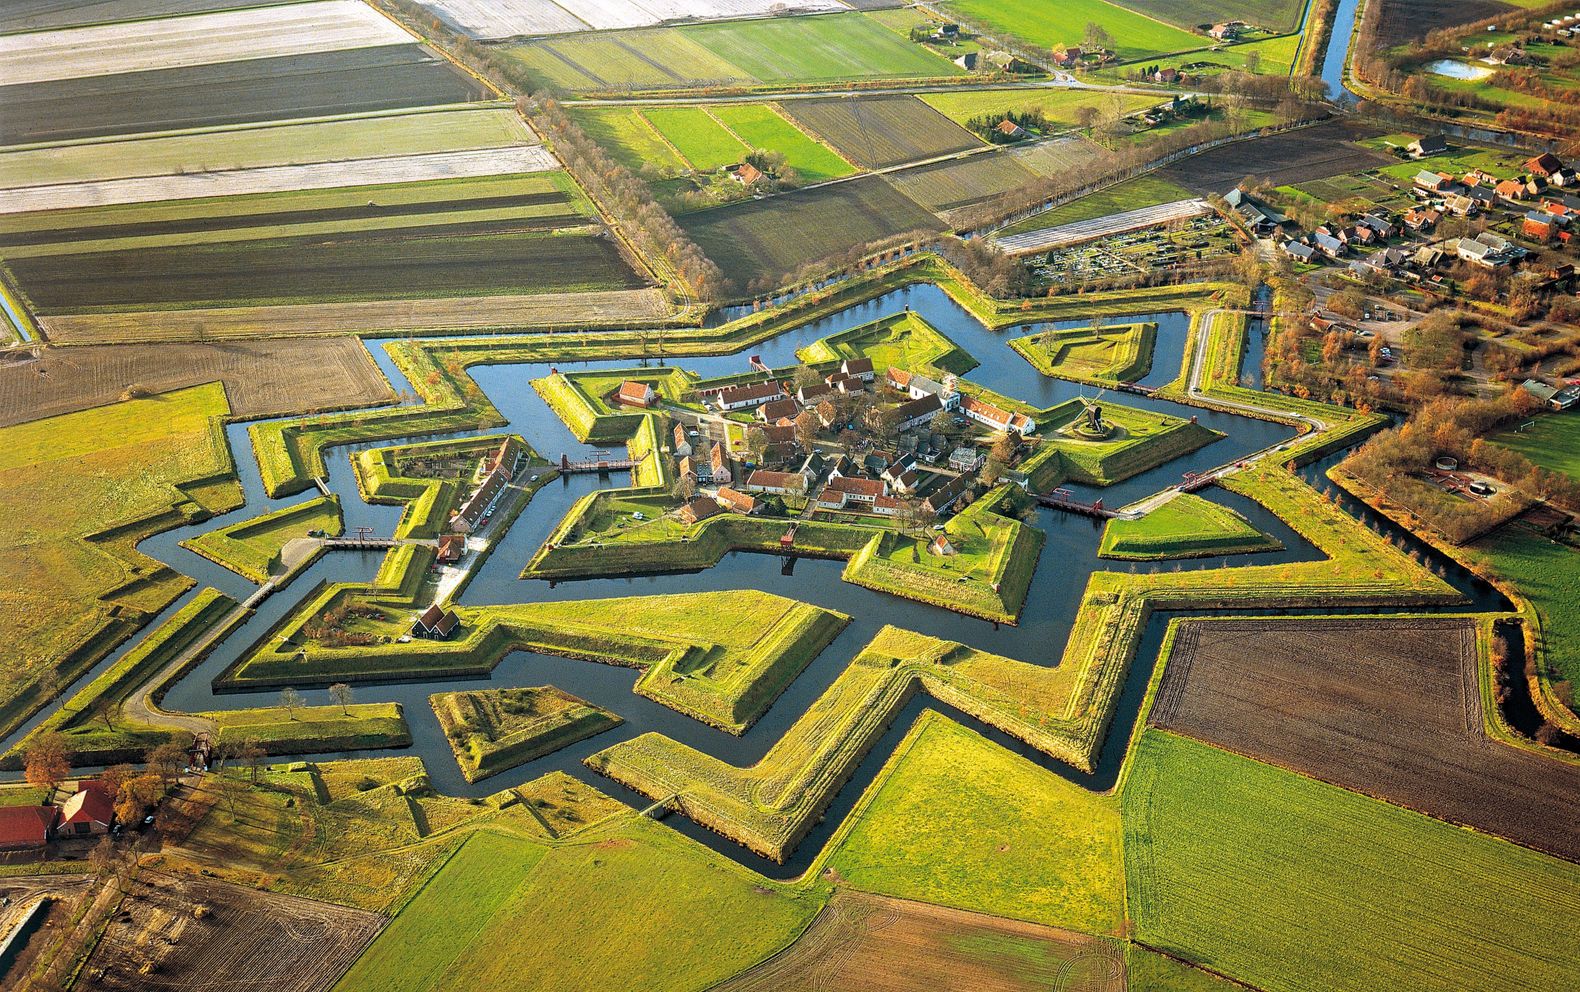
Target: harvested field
(880,132)
(956,183)
(1410,20)
(1294,156)
(40,15)
(493,19)
(1102,227)
(356,81)
(244,940)
(453,314)
(1060,157)
(769,239)
(317,175)
(262,378)
(475,259)
(199,39)
(1391,708)
(381,136)
(1276,15)
(876,944)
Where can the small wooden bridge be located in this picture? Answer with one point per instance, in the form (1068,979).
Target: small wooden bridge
(598,463)
(1063,499)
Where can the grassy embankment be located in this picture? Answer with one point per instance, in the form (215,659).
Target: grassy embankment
(987,577)
(252,548)
(1187,526)
(494,730)
(1107,354)
(407,474)
(581,400)
(721,658)
(1138,441)
(80,491)
(1062,710)
(291,452)
(1274,878)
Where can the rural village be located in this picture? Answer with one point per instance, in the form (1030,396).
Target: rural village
(764,495)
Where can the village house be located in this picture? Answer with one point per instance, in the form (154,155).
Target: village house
(940,545)
(918,386)
(773,411)
(1421,220)
(858,368)
(914,413)
(1328,245)
(1434,182)
(698,508)
(90,812)
(682,446)
(473,513)
(777,483)
(1511,190)
(744,173)
(1485,249)
(719,465)
(435,623)
(945,496)
(780,433)
(995,417)
(633,393)
(848,491)
(1300,251)
(966,459)
(1427,144)
(1539,226)
(1545,165)
(503,459)
(1262,219)
(808,395)
(901,476)
(451,549)
(888,506)
(26,828)
(1167,75)
(1228,31)
(747,397)
(737,502)
(1010,129)
(1461,205)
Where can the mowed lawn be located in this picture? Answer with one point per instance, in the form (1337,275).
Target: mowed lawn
(957,820)
(1291,884)
(1046,23)
(1553,442)
(68,477)
(1545,573)
(630,906)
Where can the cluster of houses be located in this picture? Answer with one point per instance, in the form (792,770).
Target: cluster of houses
(88,812)
(1567,26)
(1562,396)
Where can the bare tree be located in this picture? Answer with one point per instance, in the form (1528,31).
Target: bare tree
(47,761)
(340,692)
(252,754)
(167,759)
(290,698)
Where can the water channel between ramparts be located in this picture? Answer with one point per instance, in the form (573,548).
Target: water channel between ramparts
(1068,558)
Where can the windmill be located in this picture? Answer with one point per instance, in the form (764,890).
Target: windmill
(1094,412)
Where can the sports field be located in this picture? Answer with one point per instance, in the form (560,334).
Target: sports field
(1045,25)
(1291,884)
(737,54)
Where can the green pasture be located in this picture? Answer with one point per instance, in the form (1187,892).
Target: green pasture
(626,134)
(1553,442)
(1059,106)
(1107,353)
(957,820)
(1287,883)
(904,340)
(1544,572)
(1274,15)
(1132,194)
(1045,25)
(494,730)
(315,729)
(638,879)
(1187,526)
(702,141)
(761,126)
(252,548)
(1270,56)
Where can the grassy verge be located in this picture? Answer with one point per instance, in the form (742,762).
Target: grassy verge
(252,548)
(313,729)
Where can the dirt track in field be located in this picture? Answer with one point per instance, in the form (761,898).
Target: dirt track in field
(1295,156)
(1390,708)
(868,943)
(243,941)
(262,378)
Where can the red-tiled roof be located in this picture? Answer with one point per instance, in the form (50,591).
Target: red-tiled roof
(25,826)
(634,392)
(856,487)
(91,804)
(738,501)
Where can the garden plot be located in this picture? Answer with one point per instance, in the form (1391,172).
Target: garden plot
(1102,227)
(199,39)
(278,179)
(1186,243)
(1390,708)
(880,132)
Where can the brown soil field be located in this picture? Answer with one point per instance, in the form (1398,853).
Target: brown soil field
(878,132)
(301,319)
(1295,156)
(1410,20)
(36,15)
(868,943)
(1390,708)
(262,378)
(176,932)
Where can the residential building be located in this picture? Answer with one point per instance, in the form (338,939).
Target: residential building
(775,409)
(914,413)
(682,446)
(1427,144)
(435,623)
(26,828)
(1545,165)
(966,459)
(748,396)
(858,368)
(847,491)
(719,465)
(995,417)
(698,508)
(737,502)
(451,549)
(90,812)
(473,513)
(633,393)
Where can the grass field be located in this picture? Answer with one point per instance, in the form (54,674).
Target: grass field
(493,730)
(702,141)
(955,819)
(1059,106)
(1287,883)
(109,476)
(1271,56)
(737,54)
(1045,25)
(762,126)
(1553,442)
(1544,572)
(1144,191)
(252,548)
(626,134)
(763,242)
(1187,526)
(500,909)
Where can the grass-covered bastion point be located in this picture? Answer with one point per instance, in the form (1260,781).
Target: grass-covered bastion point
(1187,526)
(493,730)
